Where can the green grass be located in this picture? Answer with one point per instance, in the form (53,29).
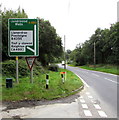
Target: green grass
(103,68)
(37,91)
(71,65)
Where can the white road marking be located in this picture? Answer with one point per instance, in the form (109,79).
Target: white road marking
(97,106)
(83,81)
(105,73)
(87,93)
(84,106)
(102,114)
(90,96)
(82,100)
(81,96)
(111,80)
(95,74)
(87,113)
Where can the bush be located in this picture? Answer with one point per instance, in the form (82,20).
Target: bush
(38,68)
(53,67)
(9,68)
(23,68)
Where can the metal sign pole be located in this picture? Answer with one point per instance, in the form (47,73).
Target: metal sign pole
(17,80)
(31,75)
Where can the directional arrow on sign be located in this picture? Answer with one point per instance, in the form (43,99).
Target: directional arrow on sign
(33,50)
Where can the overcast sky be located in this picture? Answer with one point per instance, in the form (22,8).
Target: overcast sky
(77,19)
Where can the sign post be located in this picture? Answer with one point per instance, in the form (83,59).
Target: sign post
(31,75)
(30,61)
(17,72)
(23,40)
(63,75)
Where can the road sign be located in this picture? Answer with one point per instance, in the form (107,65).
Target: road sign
(62,72)
(23,38)
(30,61)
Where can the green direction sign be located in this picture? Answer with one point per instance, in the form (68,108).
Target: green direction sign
(23,37)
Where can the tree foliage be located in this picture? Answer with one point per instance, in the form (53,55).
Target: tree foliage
(107,47)
(49,42)
(50,46)
(6,14)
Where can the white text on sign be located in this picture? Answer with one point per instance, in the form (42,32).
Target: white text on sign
(20,39)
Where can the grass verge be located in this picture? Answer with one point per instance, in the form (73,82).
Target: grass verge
(103,68)
(37,91)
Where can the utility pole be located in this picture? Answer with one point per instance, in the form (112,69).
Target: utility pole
(118,11)
(64,54)
(94,55)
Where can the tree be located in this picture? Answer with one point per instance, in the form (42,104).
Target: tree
(50,46)
(106,44)
(6,14)
(76,56)
(49,42)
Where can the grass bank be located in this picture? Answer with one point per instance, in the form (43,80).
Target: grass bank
(37,91)
(102,68)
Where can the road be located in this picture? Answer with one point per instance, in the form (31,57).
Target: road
(102,88)
(98,99)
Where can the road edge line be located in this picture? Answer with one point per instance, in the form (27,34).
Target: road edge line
(83,81)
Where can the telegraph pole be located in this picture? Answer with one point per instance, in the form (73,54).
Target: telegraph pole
(94,55)
(118,11)
(64,54)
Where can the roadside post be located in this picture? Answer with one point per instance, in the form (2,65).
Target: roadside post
(47,81)
(23,40)
(30,61)
(17,71)
(31,75)
(63,76)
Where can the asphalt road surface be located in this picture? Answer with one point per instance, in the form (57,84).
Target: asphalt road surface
(101,88)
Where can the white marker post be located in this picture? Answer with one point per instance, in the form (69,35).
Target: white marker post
(47,81)
(63,76)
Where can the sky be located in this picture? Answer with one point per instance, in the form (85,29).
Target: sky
(76,19)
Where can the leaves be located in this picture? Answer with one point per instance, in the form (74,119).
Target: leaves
(50,43)
(6,14)
(107,47)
